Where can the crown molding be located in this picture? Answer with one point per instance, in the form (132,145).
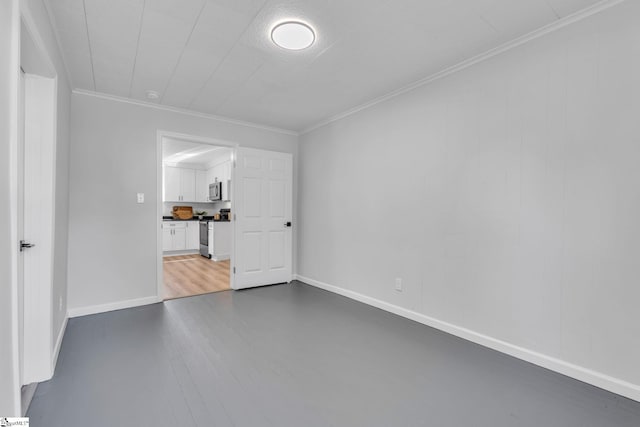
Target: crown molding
(182,111)
(535,34)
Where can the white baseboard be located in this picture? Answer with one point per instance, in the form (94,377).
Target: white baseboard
(184,252)
(119,305)
(56,349)
(222,257)
(598,379)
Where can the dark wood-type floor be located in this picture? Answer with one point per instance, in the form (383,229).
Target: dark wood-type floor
(187,275)
(294,355)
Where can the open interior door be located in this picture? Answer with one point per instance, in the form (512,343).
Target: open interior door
(263,214)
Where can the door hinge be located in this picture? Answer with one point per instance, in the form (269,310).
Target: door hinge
(234,270)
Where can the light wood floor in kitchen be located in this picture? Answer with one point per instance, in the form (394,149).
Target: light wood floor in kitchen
(187,275)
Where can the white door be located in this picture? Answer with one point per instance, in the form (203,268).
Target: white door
(20,219)
(263,214)
(37,203)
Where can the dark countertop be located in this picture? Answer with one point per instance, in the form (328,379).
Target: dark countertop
(195,218)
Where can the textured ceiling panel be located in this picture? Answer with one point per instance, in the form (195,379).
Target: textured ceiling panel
(114,52)
(567,7)
(213,37)
(510,18)
(70,23)
(166,28)
(216,56)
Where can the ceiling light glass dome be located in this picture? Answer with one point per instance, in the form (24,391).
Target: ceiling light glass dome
(293,35)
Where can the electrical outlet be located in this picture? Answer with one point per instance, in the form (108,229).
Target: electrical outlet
(140,197)
(398,284)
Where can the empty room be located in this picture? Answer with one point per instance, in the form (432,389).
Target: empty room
(320,213)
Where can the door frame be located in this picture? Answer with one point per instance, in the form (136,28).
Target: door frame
(12,66)
(37,330)
(161,134)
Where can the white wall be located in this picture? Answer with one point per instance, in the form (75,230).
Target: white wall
(9,44)
(506,196)
(112,239)
(39,14)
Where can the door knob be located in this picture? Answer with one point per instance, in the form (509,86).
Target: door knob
(287,224)
(25,245)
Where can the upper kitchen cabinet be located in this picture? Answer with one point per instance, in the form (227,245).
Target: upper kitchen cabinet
(222,171)
(202,186)
(190,167)
(179,184)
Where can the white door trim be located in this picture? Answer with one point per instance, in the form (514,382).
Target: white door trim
(13,67)
(193,138)
(39,356)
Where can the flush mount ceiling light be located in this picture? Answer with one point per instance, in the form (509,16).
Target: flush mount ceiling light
(293,35)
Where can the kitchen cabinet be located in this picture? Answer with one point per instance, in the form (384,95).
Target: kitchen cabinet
(167,239)
(221,171)
(220,240)
(193,235)
(174,236)
(171,184)
(213,174)
(226,171)
(179,184)
(180,236)
(202,186)
(188,184)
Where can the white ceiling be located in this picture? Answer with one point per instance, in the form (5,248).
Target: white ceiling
(216,57)
(177,151)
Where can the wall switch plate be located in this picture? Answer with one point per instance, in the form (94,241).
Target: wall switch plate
(398,286)
(140,197)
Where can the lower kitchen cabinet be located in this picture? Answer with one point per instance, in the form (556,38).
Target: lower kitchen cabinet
(220,241)
(193,235)
(180,236)
(174,236)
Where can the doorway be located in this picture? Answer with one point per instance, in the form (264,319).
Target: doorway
(260,212)
(196,204)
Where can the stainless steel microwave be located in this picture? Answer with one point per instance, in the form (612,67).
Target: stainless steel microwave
(215,191)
